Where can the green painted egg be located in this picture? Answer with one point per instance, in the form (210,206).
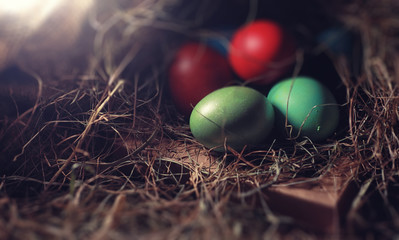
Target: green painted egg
(235,115)
(307,105)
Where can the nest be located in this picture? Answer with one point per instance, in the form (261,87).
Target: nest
(101,152)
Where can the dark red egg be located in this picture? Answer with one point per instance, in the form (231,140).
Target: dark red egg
(196,71)
(261,52)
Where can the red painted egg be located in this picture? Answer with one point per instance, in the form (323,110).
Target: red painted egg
(196,71)
(261,52)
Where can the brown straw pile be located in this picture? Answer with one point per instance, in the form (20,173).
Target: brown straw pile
(95,148)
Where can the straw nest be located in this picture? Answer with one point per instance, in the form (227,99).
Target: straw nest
(100,152)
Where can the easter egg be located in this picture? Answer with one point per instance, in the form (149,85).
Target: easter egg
(235,115)
(219,39)
(337,40)
(306,105)
(261,52)
(196,71)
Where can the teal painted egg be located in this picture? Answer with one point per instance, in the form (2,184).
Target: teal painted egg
(235,115)
(307,105)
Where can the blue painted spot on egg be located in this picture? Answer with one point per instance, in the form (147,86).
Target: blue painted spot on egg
(219,39)
(337,40)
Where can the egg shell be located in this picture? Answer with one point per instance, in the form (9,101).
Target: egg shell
(261,52)
(307,105)
(236,115)
(337,40)
(196,71)
(219,39)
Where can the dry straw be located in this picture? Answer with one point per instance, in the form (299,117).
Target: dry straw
(106,155)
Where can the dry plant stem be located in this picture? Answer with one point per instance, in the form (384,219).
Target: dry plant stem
(90,122)
(297,69)
(111,217)
(126,60)
(138,149)
(30,111)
